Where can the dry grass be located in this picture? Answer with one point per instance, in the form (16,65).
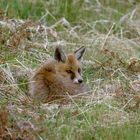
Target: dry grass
(111,69)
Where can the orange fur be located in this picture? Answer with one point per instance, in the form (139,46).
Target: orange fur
(53,80)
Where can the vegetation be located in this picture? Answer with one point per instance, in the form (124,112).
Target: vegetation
(110,31)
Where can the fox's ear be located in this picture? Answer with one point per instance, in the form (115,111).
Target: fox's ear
(59,54)
(79,53)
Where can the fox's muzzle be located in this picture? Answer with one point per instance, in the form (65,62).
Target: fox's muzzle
(78,80)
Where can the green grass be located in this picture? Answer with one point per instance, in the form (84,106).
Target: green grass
(22,9)
(111,113)
(73,11)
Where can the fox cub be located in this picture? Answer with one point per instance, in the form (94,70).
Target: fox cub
(59,77)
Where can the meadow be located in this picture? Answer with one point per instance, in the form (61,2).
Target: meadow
(110,30)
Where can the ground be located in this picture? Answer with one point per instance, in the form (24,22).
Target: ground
(110,31)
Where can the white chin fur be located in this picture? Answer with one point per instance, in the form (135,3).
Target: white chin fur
(75,81)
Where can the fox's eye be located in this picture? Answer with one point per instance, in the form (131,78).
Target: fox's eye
(79,70)
(69,71)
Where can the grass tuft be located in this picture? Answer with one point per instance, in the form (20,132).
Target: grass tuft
(29,32)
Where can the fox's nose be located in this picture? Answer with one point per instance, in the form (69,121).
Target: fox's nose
(80,80)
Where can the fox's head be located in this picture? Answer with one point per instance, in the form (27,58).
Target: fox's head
(70,65)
